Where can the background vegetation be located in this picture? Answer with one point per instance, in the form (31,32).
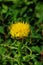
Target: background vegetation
(30,50)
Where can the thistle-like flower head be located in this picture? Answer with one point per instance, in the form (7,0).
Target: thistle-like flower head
(19,30)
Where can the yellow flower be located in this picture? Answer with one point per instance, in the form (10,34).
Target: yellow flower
(19,30)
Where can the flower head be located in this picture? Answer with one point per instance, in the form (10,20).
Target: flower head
(19,30)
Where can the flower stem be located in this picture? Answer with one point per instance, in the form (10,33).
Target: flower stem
(20,54)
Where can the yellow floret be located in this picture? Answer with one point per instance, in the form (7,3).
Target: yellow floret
(19,30)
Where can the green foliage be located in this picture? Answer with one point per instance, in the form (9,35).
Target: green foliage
(27,51)
(1,29)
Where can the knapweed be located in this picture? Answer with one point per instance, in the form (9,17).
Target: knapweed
(19,30)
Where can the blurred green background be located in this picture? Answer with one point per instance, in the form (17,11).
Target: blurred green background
(30,50)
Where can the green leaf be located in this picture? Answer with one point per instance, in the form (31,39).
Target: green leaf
(1,40)
(4,8)
(34,34)
(2,29)
(39,12)
(26,58)
(35,49)
(37,63)
(2,50)
(28,3)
